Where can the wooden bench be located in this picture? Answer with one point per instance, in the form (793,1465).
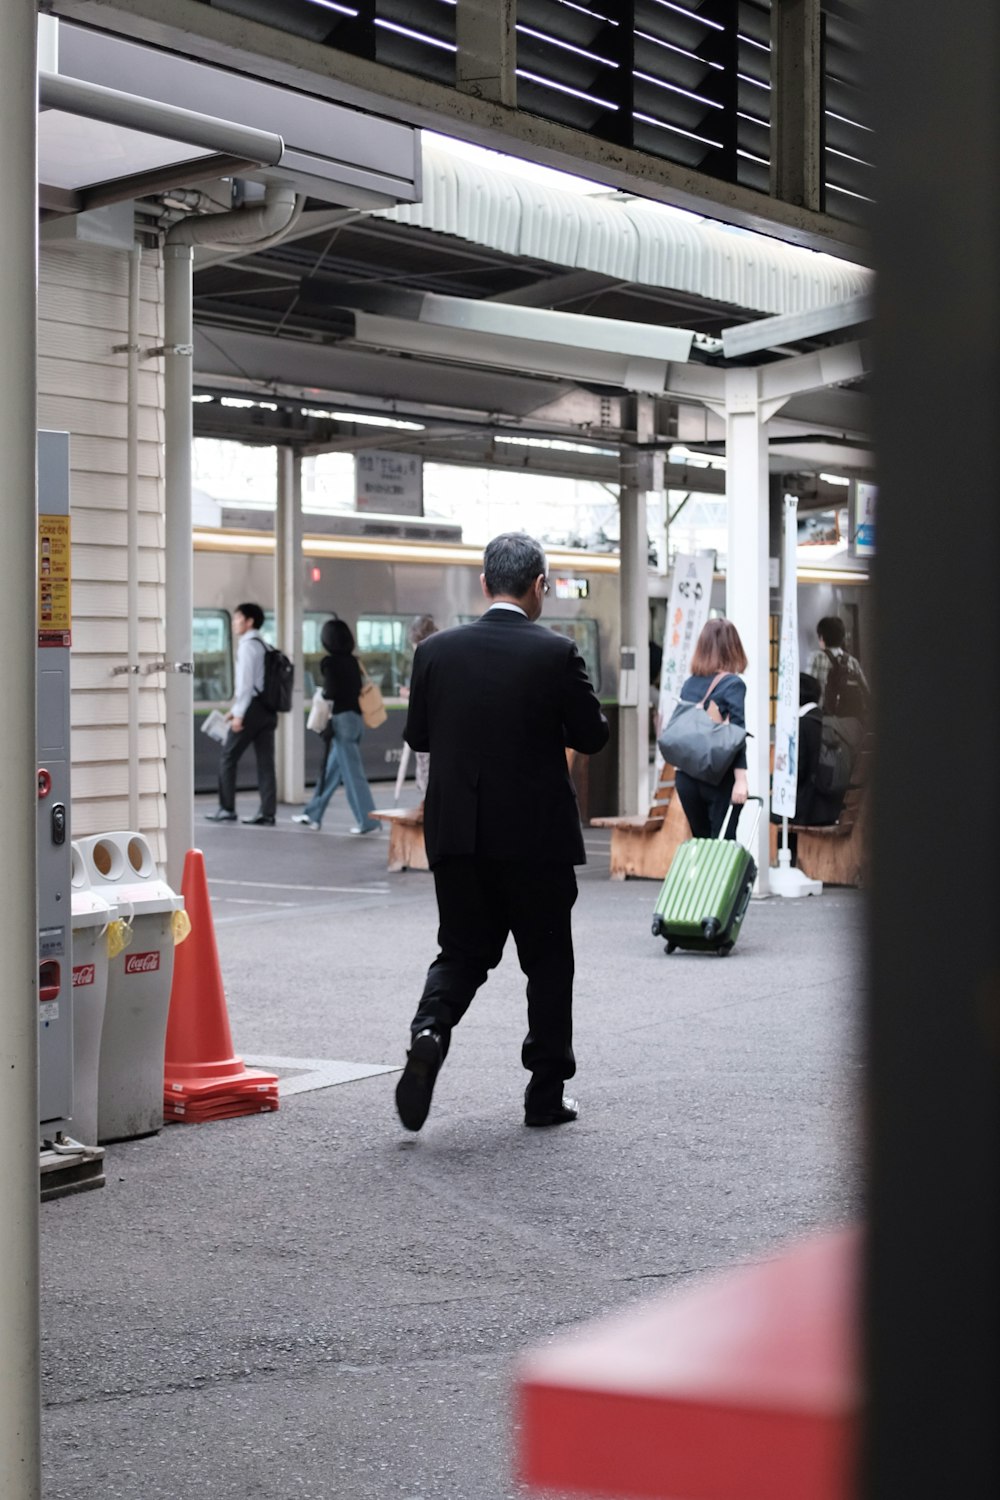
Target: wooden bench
(838,854)
(643,846)
(406,837)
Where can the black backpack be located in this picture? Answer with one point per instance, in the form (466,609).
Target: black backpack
(279,675)
(845,696)
(840,742)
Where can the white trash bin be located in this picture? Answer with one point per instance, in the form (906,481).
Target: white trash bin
(91,914)
(120,866)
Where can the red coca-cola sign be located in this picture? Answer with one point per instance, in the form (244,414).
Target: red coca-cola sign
(83,974)
(142,963)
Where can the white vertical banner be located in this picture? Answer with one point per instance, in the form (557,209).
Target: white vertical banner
(784,782)
(690,597)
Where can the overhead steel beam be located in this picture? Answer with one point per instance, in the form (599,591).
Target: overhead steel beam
(790,328)
(259,50)
(531,356)
(539,325)
(554,290)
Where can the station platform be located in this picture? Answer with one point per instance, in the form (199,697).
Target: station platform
(314,1303)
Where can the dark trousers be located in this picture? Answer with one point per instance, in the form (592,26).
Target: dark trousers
(705,806)
(258,731)
(480,902)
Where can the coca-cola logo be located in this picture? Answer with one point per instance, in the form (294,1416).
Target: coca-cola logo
(142,963)
(83,974)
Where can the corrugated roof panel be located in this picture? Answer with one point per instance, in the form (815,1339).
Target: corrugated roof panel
(626,239)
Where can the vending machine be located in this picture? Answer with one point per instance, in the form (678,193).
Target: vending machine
(55,957)
(66,1164)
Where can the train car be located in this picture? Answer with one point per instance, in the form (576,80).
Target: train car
(381,585)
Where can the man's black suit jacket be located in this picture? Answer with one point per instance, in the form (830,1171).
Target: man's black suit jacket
(496,703)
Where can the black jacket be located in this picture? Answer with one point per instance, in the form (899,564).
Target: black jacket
(496,703)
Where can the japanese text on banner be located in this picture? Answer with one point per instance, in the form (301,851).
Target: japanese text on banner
(690,598)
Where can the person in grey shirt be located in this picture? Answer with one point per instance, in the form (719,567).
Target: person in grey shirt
(250,723)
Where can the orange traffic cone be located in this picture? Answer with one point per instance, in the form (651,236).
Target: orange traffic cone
(203,1079)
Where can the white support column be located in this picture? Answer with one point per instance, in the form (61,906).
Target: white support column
(179,591)
(633,680)
(20,1444)
(747,597)
(288,593)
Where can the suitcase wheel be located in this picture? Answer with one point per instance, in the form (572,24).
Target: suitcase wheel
(656,926)
(724,950)
(670,947)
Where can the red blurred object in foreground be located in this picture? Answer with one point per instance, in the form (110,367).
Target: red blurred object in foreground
(743,1385)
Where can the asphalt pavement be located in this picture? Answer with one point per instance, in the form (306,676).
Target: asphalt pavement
(314,1303)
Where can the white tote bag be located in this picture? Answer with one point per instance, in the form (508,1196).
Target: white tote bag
(319,713)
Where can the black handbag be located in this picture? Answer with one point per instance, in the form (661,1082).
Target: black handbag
(694,742)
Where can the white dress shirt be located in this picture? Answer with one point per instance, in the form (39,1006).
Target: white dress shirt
(249,672)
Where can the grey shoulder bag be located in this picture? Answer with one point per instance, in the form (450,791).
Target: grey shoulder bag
(696,743)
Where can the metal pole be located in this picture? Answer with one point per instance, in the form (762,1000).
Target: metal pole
(20,1447)
(178,261)
(633,711)
(747,594)
(288,592)
(132,500)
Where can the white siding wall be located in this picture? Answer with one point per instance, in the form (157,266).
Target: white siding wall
(83,311)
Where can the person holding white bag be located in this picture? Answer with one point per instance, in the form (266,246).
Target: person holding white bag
(342,684)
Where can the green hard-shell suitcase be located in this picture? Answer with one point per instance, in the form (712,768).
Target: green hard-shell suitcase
(704,898)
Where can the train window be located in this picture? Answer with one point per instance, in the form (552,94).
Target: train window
(385,650)
(582,632)
(312,651)
(213,658)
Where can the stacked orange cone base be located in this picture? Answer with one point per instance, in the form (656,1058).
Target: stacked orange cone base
(203,1079)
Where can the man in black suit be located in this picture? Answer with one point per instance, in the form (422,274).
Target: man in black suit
(496,704)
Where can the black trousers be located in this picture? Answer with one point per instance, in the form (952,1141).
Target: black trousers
(705,806)
(480,902)
(258,731)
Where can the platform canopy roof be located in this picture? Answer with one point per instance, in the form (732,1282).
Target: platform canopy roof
(448,286)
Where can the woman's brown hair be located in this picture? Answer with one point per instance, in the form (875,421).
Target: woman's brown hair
(718,649)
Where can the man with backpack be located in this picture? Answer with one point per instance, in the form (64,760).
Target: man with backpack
(844,691)
(252,721)
(845,697)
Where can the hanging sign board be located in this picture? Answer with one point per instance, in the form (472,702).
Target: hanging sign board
(784,782)
(863,496)
(389,482)
(54,620)
(690,598)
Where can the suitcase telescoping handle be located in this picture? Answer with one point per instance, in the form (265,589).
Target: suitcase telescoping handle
(756,822)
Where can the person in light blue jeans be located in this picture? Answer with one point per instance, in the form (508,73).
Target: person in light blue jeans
(341,684)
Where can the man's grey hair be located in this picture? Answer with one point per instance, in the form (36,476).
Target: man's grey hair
(511,563)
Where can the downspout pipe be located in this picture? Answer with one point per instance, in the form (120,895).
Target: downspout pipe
(132,506)
(251,228)
(20,1442)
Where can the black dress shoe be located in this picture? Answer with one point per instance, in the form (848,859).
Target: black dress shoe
(259,818)
(221,816)
(562,1114)
(415,1088)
